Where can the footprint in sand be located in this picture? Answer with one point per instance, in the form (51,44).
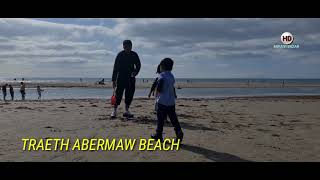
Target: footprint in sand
(24,107)
(81,106)
(53,129)
(240,125)
(62,107)
(185,116)
(295,121)
(6,103)
(78,158)
(214,122)
(94,105)
(263,130)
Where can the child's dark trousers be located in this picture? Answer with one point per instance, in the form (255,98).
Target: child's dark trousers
(164,111)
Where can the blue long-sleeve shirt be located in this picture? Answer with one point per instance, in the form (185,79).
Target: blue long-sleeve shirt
(165,88)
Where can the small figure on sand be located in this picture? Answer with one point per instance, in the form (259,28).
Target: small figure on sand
(126,67)
(165,97)
(39,90)
(23,90)
(11,92)
(101,82)
(4,91)
(283,83)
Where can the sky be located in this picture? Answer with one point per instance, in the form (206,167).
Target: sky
(200,48)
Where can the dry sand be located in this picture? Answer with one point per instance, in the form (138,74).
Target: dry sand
(232,129)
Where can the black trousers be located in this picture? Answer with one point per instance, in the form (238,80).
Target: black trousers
(164,111)
(4,95)
(23,94)
(127,86)
(12,96)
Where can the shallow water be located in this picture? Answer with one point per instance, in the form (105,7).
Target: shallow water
(99,93)
(178,80)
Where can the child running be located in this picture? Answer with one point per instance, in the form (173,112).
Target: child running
(39,90)
(165,97)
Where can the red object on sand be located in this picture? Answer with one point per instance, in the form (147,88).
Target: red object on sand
(113,100)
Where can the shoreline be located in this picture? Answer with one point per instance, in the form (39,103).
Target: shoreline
(280,97)
(177,85)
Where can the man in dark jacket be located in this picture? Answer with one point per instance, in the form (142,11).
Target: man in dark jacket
(126,67)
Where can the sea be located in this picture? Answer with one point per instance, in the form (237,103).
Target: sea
(106,93)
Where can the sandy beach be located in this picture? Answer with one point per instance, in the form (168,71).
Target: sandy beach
(229,129)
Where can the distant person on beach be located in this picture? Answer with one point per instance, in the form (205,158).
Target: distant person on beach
(101,82)
(4,91)
(11,92)
(23,90)
(126,67)
(166,100)
(39,90)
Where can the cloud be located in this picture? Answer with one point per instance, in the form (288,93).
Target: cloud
(29,27)
(34,41)
(218,47)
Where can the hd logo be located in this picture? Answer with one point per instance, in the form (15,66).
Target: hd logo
(287,40)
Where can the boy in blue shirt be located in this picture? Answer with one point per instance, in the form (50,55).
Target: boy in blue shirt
(165,98)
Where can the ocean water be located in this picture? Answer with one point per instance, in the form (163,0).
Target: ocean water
(100,93)
(211,80)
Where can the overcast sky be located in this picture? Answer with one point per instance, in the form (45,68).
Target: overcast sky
(201,48)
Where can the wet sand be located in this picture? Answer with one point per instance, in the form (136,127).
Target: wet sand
(229,129)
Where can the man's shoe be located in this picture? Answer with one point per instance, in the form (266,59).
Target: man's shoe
(157,137)
(127,114)
(179,136)
(114,114)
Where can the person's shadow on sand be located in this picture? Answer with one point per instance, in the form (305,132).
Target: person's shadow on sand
(213,155)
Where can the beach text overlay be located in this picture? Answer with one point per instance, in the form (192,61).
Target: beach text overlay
(65,144)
